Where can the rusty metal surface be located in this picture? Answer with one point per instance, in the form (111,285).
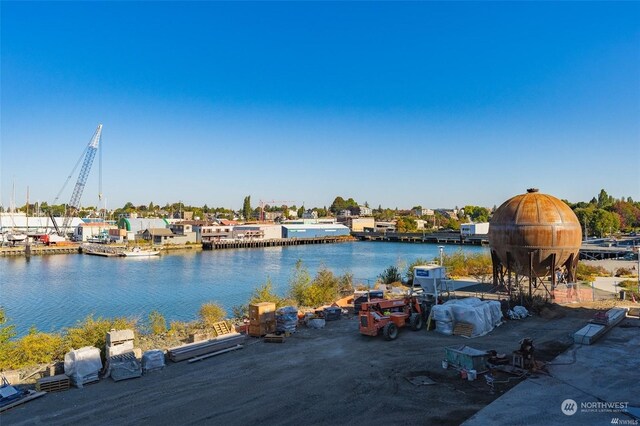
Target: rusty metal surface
(538,223)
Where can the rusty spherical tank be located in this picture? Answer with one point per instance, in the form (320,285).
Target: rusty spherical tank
(534,223)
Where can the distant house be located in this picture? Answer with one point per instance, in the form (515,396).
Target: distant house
(157,235)
(422,212)
(361,211)
(310,214)
(344,213)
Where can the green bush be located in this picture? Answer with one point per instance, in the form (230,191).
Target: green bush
(93,332)
(409,271)
(157,323)
(265,293)
(37,348)
(180,329)
(586,272)
(6,331)
(324,288)
(239,312)
(211,313)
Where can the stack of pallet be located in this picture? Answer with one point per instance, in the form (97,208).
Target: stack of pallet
(56,383)
(262,318)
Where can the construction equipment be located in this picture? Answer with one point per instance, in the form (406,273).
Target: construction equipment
(74,203)
(389,315)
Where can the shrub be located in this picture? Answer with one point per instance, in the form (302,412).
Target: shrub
(157,323)
(179,329)
(409,271)
(390,275)
(93,332)
(211,313)
(629,285)
(239,312)
(324,288)
(265,293)
(37,348)
(6,331)
(586,272)
(623,272)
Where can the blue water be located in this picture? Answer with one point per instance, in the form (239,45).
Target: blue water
(56,291)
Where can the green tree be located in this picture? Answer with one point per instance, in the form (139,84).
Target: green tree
(604,222)
(390,275)
(246,208)
(604,199)
(406,224)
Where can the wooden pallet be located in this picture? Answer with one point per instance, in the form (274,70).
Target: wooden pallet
(274,338)
(57,383)
(463,329)
(221,328)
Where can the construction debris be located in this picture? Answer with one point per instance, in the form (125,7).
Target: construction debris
(192,350)
(599,326)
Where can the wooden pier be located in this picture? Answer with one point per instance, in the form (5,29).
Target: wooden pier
(273,242)
(419,237)
(39,249)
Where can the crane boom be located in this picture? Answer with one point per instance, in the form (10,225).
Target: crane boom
(90,153)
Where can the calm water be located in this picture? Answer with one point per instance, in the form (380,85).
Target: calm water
(55,291)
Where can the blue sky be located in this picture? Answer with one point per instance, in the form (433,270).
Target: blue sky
(399,104)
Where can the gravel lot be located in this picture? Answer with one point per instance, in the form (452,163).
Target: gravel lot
(328,376)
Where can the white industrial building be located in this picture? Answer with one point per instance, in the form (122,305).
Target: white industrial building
(480,228)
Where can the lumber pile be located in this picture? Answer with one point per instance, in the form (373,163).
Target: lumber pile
(193,350)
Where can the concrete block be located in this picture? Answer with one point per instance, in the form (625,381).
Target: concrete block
(119,336)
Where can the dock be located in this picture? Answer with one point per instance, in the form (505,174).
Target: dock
(39,249)
(424,237)
(273,242)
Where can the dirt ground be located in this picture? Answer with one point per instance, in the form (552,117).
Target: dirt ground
(328,376)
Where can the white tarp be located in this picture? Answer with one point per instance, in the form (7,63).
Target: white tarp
(483,315)
(82,365)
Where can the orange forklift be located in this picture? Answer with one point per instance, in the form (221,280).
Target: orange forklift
(389,316)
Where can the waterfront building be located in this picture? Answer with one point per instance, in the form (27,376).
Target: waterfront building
(480,228)
(290,230)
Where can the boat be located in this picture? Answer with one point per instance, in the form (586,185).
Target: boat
(139,252)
